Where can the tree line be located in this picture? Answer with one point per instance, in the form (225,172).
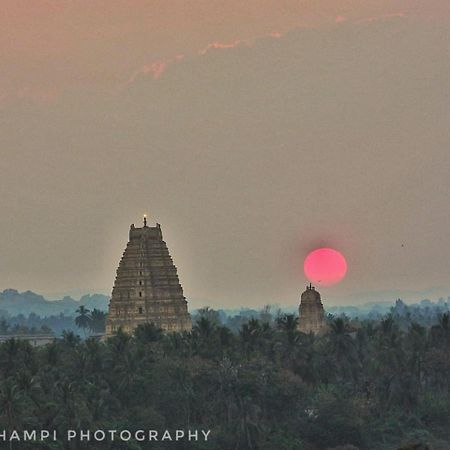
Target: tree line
(266,387)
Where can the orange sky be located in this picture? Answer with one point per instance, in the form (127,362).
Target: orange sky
(62,44)
(252,131)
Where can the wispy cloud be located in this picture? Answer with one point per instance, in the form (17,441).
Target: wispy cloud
(157,68)
(227,45)
(383,17)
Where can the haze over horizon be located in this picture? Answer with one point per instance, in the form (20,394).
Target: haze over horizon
(252,133)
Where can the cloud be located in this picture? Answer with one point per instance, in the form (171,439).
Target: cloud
(249,42)
(158,67)
(155,69)
(222,45)
(400,15)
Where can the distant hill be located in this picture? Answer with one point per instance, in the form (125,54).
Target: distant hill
(13,303)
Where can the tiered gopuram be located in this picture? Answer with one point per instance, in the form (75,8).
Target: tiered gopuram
(147,288)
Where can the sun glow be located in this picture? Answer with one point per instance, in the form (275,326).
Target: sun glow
(325,266)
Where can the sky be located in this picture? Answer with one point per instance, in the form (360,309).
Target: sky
(252,131)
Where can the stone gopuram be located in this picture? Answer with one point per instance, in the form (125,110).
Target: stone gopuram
(147,288)
(312,315)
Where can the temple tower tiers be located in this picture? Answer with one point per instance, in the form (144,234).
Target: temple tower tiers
(312,315)
(147,288)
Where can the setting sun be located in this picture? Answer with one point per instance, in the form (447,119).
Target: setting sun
(325,266)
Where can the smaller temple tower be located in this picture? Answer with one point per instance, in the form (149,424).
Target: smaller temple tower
(312,315)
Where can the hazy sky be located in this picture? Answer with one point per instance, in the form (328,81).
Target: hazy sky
(252,131)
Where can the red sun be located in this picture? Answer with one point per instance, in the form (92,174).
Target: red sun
(325,266)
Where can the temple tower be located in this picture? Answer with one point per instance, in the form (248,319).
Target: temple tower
(312,315)
(147,288)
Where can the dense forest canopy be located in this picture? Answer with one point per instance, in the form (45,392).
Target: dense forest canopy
(379,385)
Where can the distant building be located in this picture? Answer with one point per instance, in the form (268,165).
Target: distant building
(147,288)
(311,312)
(36,340)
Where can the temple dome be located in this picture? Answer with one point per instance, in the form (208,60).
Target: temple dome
(311,295)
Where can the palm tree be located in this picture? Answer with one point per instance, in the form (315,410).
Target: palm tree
(10,405)
(83,320)
(342,348)
(440,333)
(119,343)
(248,423)
(70,339)
(93,349)
(205,336)
(342,341)
(4,326)
(288,324)
(9,355)
(148,332)
(251,335)
(98,321)
(444,322)
(204,328)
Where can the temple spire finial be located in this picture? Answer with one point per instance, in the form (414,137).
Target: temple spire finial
(145,220)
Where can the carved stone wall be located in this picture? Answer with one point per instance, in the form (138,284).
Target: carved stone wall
(147,288)
(311,312)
